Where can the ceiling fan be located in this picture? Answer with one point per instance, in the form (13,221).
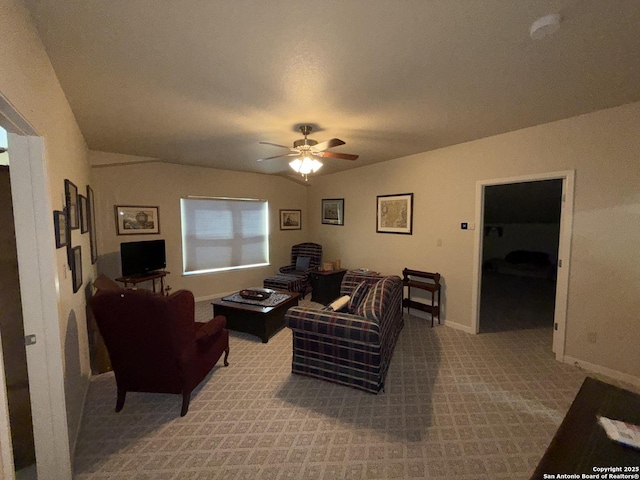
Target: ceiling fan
(305,149)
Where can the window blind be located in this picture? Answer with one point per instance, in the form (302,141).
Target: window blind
(223,234)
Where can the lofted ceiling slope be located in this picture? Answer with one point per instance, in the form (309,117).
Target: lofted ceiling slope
(202,82)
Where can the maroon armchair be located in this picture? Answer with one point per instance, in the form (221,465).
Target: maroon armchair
(154,343)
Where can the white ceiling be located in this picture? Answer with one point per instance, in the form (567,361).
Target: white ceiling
(201,82)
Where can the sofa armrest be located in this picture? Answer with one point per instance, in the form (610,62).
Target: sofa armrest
(209,329)
(333,324)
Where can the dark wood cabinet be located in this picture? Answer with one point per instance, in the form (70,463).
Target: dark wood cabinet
(326,285)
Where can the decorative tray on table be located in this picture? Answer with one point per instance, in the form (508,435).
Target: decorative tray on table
(256,293)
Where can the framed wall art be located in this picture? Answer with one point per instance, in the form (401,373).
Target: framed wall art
(60,228)
(394,213)
(290,219)
(84,213)
(76,268)
(71,199)
(91,211)
(333,211)
(136,220)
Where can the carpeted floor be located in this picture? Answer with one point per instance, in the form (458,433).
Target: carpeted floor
(456,406)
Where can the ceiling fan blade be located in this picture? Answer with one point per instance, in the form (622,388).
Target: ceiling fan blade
(275,145)
(334,142)
(344,156)
(278,156)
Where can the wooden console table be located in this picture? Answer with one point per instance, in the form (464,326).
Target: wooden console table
(427,281)
(152,277)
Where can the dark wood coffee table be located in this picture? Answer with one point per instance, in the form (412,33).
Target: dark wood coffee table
(581,445)
(255,319)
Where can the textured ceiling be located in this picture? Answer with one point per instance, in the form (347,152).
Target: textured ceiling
(202,82)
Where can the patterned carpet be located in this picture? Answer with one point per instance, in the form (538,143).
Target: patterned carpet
(456,406)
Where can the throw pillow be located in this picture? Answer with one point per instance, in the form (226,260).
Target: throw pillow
(357,296)
(371,306)
(338,304)
(302,263)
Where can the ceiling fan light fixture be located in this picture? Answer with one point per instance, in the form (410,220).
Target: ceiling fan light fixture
(305,166)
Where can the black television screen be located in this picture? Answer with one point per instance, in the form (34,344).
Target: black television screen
(141,258)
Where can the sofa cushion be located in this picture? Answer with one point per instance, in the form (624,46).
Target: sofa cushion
(358,295)
(371,306)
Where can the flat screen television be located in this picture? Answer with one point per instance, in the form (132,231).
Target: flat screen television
(142,258)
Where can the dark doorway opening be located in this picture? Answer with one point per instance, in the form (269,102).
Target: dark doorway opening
(521,231)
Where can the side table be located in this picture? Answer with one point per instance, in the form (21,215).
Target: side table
(145,278)
(427,281)
(325,285)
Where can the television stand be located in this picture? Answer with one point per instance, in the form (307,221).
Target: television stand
(152,277)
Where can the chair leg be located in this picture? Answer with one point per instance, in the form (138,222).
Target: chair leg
(186,398)
(226,355)
(122,394)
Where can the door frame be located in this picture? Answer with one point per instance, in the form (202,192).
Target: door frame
(564,250)
(39,286)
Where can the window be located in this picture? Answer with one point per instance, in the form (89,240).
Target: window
(223,234)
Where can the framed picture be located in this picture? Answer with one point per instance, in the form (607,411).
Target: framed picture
(136,220)
(333,211)
(71,199)
(76,268)
(290,219)
(91,211)
(394,213)
(60,228)
(84,213)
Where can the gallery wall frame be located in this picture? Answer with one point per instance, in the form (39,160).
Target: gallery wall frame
(84,213)
(136,220)
(71,201)
(93,239)
(333,211)
(60,228)
(290,219)
(394,213)
(76,268)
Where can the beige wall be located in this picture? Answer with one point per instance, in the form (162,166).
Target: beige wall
(28,82)
(162,185)
(604,290)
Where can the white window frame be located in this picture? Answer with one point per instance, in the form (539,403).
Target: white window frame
(187,237)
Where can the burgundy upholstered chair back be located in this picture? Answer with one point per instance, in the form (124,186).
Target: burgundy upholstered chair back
(150,337)
(154,342)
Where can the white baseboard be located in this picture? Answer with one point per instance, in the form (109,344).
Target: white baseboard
(215,295)
(623,377)
(458,326)
(448,323)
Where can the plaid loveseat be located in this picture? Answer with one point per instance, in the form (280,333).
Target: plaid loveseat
(349,348)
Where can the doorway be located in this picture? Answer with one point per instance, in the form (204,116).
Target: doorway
(12,326)
(521,230)
(38,278)
(567,179)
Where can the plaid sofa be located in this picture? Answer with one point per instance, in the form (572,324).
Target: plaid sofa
(348,348)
